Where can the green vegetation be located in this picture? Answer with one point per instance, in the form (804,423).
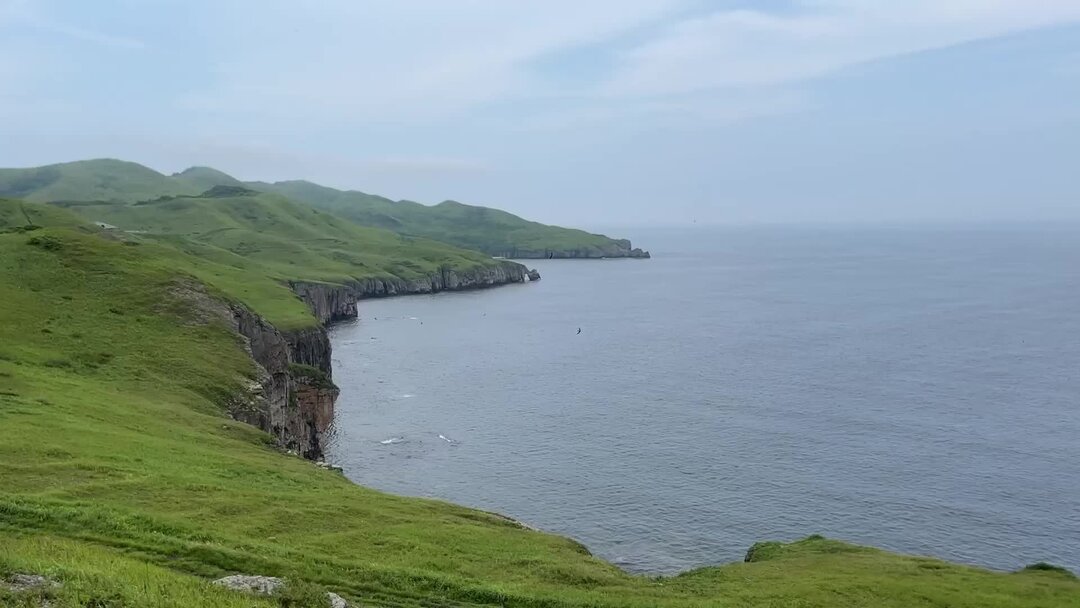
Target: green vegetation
(484,229)
(291,240)
(101,179)
(249,244)
(202,179)
(315,376)
(1045,567)
(123,480)
(491,231)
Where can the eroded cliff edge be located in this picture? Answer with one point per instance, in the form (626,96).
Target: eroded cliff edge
(293,394)
(616,248)
(337,301)
(292,397)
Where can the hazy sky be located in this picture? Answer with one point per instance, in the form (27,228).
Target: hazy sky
(586,112)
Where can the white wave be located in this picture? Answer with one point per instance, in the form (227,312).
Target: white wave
(446,439)
(407,396)
(392,440)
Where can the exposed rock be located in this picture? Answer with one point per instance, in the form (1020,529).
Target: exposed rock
(616,248)
(329,302)
(533,274)
(293,396)
(334,302)
(268,585)
(296,408)
(310,346)
(329,467)
(29,582)
(259,585)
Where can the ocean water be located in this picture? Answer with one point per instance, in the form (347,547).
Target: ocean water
(916,389)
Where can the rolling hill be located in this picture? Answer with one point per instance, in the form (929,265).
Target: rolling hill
(271,236)
(491,231)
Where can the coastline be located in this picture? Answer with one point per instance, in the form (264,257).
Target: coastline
(382,397)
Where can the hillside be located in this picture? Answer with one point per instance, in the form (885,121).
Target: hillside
(291,240)
(491,231)
(99,179)
(484,229)
(125,482)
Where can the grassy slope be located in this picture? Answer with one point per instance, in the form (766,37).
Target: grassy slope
(202,179)
(100,179)
(480,228)
(122,478)
(489,230)
(286,236)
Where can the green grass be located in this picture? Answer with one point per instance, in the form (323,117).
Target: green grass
(491,231)
(17,215)
(99,179)
(123,479)
(250,246)
(290,240)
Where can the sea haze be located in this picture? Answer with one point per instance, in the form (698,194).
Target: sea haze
(915,389)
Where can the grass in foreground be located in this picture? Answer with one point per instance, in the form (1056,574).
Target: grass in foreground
(122,479)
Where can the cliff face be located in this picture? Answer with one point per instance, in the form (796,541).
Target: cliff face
(618,248)
(293,396)
(296,407)
(311,346)
(333,302)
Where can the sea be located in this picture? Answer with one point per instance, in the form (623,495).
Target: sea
(914,388)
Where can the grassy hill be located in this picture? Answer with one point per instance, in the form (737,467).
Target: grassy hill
(123,479)
(290,239)
(484,229)
(202,179)
(101,179)
(491,231)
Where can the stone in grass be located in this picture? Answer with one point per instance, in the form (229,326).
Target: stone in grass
(260,585)
(29,582)
(268,585)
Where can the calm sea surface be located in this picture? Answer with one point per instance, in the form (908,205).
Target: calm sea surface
(913,389)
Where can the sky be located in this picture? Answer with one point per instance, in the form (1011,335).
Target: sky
(583,112)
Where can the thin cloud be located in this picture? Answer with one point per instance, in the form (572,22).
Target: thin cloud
(358,62)
(744,48)
(23,14)
(87,35)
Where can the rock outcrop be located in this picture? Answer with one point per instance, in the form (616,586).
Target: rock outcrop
(291,395)
(334,302)
(19,583)
(311,346)
(269,585)
(616,248)
(328,301)
(293,398)
(259,585)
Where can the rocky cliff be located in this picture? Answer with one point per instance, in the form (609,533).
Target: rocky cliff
(617,248)
(311,346)
(292,397)
(336,301)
